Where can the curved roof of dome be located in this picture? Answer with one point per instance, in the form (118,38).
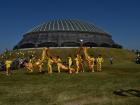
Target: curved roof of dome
(67,25)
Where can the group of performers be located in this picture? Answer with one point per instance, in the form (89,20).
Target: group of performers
(75,65)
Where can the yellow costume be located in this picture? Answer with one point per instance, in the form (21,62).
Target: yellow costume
(50,61)
(99,63)
(44,54)
(29,66)
(77,64)
(90,60)
(8,66)
(58,67)
(69,64)
(39,65)
(69,61)
(32,66)
(81,64)
(61,66)
(91,64)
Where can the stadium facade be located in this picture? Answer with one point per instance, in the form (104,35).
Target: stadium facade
(66,33)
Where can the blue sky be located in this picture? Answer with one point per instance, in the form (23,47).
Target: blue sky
(121,18)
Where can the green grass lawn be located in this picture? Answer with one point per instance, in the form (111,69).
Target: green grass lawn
(86,88)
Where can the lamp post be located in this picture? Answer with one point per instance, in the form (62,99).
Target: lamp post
(81,42)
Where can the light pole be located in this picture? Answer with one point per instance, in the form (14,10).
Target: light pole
(81,42)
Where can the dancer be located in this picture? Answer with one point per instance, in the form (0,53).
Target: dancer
(8,63)
(99,63)
(89,59)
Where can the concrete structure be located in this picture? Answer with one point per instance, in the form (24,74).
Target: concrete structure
(65,33)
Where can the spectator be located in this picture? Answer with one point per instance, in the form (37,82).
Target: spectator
(111,60)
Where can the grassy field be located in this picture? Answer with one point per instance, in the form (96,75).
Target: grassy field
(86,88)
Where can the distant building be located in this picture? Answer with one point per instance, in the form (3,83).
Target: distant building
(66,33)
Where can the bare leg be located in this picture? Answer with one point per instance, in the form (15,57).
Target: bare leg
(7,71)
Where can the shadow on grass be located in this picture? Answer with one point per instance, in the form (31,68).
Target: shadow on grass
(129,92)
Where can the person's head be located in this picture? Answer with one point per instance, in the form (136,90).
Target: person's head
(91,55)
(69,55)
(58,57)
(78,55)
(88,57)
(7,58)
(100,55)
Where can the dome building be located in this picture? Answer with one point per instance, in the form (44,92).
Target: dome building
(65,33)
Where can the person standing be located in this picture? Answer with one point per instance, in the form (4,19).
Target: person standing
(58,61)
(111,60)
(50,61)
(91,63)
(99,63)
(8,66)
(39,65)
(77,64)
(69,63)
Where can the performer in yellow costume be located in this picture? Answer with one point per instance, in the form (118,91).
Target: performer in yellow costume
(77,63)
(89,59)
(62,66)
(99,63)
(81,68)
(8,66)
(50,62)
(39,65)
(91,63)
(32,65)
(44,54)
(29,65)
(59,61)
(69,61)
